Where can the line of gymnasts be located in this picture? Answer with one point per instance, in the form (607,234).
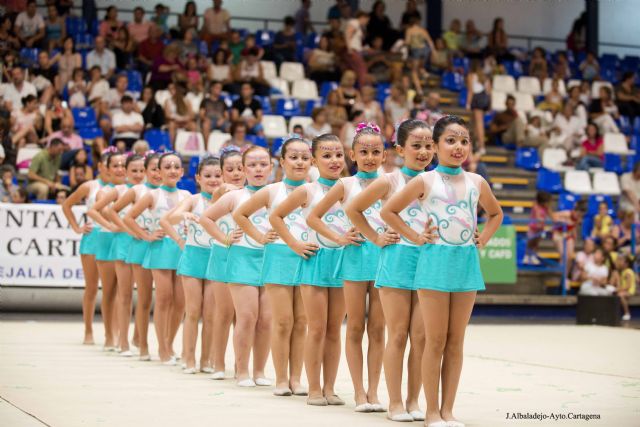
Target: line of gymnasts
(285,262)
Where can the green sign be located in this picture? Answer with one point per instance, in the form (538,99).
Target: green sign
(498,258)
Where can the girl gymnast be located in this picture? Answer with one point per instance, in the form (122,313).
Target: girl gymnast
(88,244)
(397,267)
(163,253)
(321,292)
(357,267)
(289,325)
(138,249)
(448,272)
(243,275)
(234,178)
(122,240)
(198,292)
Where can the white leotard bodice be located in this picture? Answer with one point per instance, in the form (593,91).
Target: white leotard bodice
(335,217)
(196,236)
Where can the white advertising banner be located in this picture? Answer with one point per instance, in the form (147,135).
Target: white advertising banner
(38,247)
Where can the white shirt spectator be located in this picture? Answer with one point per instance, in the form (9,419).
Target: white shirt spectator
(355,43)
(29,25)
(120,118)
(106,61)
(11,93)
(99,90)
(113,98)
(571,132)
(627,183)
(311,131)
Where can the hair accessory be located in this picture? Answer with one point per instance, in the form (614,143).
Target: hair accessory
(110,150)
(149,153)
(367,125)
(229,149)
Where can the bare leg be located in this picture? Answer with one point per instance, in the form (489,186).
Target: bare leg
(144,282)
(223,317)
(355,297)
(414,368)
(262,336)
(375,336)
(109,288)
(162,310)
(331,361)
(193,298)
(461,306)
(177,310)
(281,300)
(247,307)
(208,310)
(124,297)
(298,336)
(316,300)
(91,277)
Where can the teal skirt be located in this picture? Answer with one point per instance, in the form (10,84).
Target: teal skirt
(318,270)
(358,263)
(449,269)
(244,266)
(137,251)
(194,262)
(397,267)
(217,264)
(163,254)
(279,265)
(89,242)
(103,246)
(120,246)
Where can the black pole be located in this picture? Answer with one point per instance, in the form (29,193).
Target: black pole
(433,14)
(593,36)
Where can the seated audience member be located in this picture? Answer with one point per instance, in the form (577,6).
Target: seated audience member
(583,257)
(552,99)
(592,151)
(213,112)
(165,66)
(139,28)
(61,195)
(471,41)
(30,26)
(124,48)
(98,87)
(110,26)
(8,38)
(595,279)
(540,212)
(440,58)
(298,130)
(322,62)
(284,43)
(497,43)
(624,231)
(238,136)
(430,112)
(43,171)
(43,76)
(628,96)
(590,68)
(507,124)
(602,223)
(127,124)
(67,61)
(535,133)
(55,114)
(72,141)
(27,122)
(348,95)
(103,58)
(152,112)
(626,282)
(604,111)
(13,92)
(77,89)
(216,23)
(610,255)
(178,110)
(220,70)
(452,37)
(379,26)
(397,108)
(236,47)
(566,131)
(335,112)
(248,110)
(140,147)
(8,147)
(188,20)
(562,70)
(348,131)
(188,46)
(161,17)
(630,186)
(538,65)
(370,106)
(79,170)
(20,195)
(579,108)
(7,186)
(318,126)
(249,70)
(150,49)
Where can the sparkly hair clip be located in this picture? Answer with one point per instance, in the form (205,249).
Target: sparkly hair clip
(110,150)
(229,149)
(296,136)
(148,153)
(367,125)
(208,156)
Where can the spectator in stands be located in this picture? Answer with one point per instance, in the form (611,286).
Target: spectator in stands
(67,60)
(216,23)
(428,110)
(577,38)
(127,124)
(626,282)
(320,124)
(583,257)
(340,10)
(103,58)
(420,49)
(187,45)
(248,110)
(139,28)
(552,99)
(604,111)
(20,195)
(538,66)
(471,43)
(592,151)
(440,58)
(370,106)
(55,114)
(565,233)
(284,44)
(585,92)
(161,18)
(110,26)
(410,11)
(9,148)
(188,20)
(152,112)
(72,141)
(250,43)
(540,212)
(567,131)
(13,92)
(114,97)
(10,61)
(236,46)
(628,96)
(378,62)
(27,122)
(624,230)
(452,37)
(561,69)
(238,136)
(55,28)
(303,18)
(30,26)
(322,64)
(7,187)
(43,171)
(354,41)
(335,112)
(348,131)
(630,186)
(178,111)
(149,50)
(535,133)
(249,70)
(609,247)
(124,47)
(220,70)
(579,108)
(43,76)
(590,68)
(98,87)
(478,100)
(8,39)
(213,112)
(397,108)
(595,279)
(140,147)
(61,195)
(602,223)
(507,124)
(348,95)
(497,42)
(79,170)
(379,25)
(165,66)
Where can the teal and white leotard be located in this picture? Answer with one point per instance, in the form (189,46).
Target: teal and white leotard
(89,241)
(195,256)
(138,248)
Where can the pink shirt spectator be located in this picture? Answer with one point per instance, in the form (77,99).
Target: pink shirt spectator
(139,31)
(73,140)
(536,221)
(592,148)
(106,30)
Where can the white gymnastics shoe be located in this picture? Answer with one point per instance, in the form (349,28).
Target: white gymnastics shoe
(282,392)
(455,424)
(145,358)
(365,407)
(417,415)
(248,382)
(207,370)
(218,375)
(402,417)
(189,371)
(438,424)
(126,353)
(377,407)
(263,382)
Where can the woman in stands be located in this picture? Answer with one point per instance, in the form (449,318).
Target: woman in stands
(163,253)
(448,272)
(234,177)
(122,240)
(88,244)
(398,263)
(321,292)
(198,291)
(243,275)
(478,100)
(138,248)
(289,325)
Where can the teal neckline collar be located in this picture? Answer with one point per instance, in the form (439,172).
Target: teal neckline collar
(410,172)
(169,189)
(101,182)
(206,195)
(128,184)
(254,187)
(367,175)
(449,170)
(328,182)
(150,185)
(293,183)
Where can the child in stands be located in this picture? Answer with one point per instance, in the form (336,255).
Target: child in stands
(625,282)
(602,222)
(539,213)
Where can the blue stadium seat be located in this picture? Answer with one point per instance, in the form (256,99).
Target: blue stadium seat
(193,166)
(258,140)
(383,90)
(630,63)
(595,200)
(636,126)
(264,38)
(288,107)
(312,40)
(84,117)
(527,158)
(135,81)
(83,41)
(609,60)
(188,184)
(158,140)
(462,98)
(513,68)
(452,81)
(549,181)
(276,144)
(29,56)
(587,226)
(44,202)
(327,87)
(462,63)
(310,105)
(75,25)
(90,133)
(265,101)
(242,31)
(624,124)
(567,201)
(65,180)
(613,163)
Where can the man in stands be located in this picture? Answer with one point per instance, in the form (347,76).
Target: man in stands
(30,26)
(43,171)
(630,186)
(248,109)
(303,18)
(150,49)
(139,28)
(216,23)
(16,90)
(72,141)
(102,57)
(127,124)
(508,125)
